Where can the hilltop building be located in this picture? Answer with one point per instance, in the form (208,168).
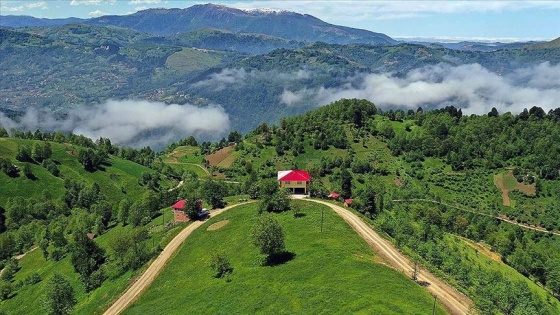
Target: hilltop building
(295,180)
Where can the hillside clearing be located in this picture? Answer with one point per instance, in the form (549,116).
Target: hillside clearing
(331,272)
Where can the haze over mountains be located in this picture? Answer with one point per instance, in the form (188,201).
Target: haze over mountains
(252,65)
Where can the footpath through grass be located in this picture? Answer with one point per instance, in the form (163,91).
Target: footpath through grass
(332,272)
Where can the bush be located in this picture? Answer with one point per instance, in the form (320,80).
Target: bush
(10,270)
(221,265)
(268,235)
(6,290)
(32,279)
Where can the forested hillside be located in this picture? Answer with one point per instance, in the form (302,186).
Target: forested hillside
(474,198)
(431,181)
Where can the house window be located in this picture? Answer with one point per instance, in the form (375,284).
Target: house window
(288,182)
(299,183)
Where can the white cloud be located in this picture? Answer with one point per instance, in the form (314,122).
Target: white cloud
(97,13)
(137,2)
(226,77)
(91,2)
(471,87)
(37,5)
(33,5)
(129,122)
(397,16)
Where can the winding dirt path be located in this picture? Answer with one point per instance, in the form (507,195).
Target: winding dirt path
(455,302)
(142,282)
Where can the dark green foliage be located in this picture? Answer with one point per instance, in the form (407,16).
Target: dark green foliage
(41,151)
(86,257)
(27,171)
(59,296)
(3,132)
(24,154)
(345,184)
(32,279)
(8,167)
(51,166)
(92,159)
(220,264)
(528,141)
(422,228)
(268,235)
(214,192)
(369,200)
(129,248)
(6,290)
(124,210)
(10,269)
(273,198)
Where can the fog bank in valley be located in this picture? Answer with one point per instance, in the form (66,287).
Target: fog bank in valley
(130,122)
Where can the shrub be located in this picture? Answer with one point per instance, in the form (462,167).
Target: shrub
(32,279)
(221,265)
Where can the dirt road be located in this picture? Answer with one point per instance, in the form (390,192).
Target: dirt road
(153,270)
(455,302)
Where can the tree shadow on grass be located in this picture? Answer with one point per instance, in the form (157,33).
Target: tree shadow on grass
(299,215)
(279,259)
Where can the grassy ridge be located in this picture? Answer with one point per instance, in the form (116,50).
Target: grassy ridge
(332,272)
(118,180)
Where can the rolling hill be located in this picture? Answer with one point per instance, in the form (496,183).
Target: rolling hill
(333,271)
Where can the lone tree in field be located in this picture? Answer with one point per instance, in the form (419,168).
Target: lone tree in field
(59,296)
(221,265)
(268,236)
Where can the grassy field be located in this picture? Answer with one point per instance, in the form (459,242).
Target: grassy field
(117,180)
(28,298)
(333,271)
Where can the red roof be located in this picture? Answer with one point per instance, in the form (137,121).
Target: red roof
(334,195)
(348,201)
(294,175)
(179,205)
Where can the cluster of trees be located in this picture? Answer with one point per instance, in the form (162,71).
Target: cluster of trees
(92,159)
(528,140)
(8,167)
(102,147)
(423,229)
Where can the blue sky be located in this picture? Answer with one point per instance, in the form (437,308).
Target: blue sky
(493,20)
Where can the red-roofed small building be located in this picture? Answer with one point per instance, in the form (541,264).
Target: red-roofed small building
(295,180)
(334,195)
(347,202)
(179,210)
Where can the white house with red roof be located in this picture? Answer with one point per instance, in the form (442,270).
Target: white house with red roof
(295,180)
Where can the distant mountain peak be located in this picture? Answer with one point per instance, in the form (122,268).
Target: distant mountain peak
(277,23)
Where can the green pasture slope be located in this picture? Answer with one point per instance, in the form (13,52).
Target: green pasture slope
(118,180)
(332,272)
(28,298)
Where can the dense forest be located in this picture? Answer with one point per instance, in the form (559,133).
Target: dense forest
(425,178)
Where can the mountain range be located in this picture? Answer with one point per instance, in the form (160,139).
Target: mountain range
(283,24)
(257,65)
